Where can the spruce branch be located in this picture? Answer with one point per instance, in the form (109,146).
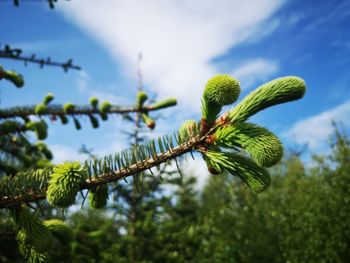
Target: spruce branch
(10,126)
(51,3)
(100,172)
(16,54)
(208,138)
(32,232)
(58,110)
(17,152)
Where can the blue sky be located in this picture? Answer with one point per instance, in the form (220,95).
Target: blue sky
(183,44)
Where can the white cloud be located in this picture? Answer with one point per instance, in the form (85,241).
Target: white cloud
(178,39)
(112,98)
(82,81)
(255,71)
(63,153)
(265,29)
(83,84)
(315,130)
(198,169)
(189,168)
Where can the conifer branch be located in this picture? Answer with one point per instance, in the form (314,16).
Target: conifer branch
(39,192)
(57,110)
(15,54)
(61,183)
(51,3)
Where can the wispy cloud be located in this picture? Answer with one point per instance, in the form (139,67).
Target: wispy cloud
(177,38)
(254,71)
(65,153)
(327,13)
(82,81)
(111,97)
(315,130)
(264,29)
(84,86)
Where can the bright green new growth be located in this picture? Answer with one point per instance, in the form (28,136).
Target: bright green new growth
(262,145)
(222,90)
(48,98)
(14,77)
(212,167)
(232,132)
(32,232)
(163,104)
(105,106)
(257,178)
(60,230)
(40,108)
(141,97)
(148,121)
(188,129)
(65,183)
(98,197)
(219,91)
(271,93)
(39,127)
(94,102)
(68,107)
